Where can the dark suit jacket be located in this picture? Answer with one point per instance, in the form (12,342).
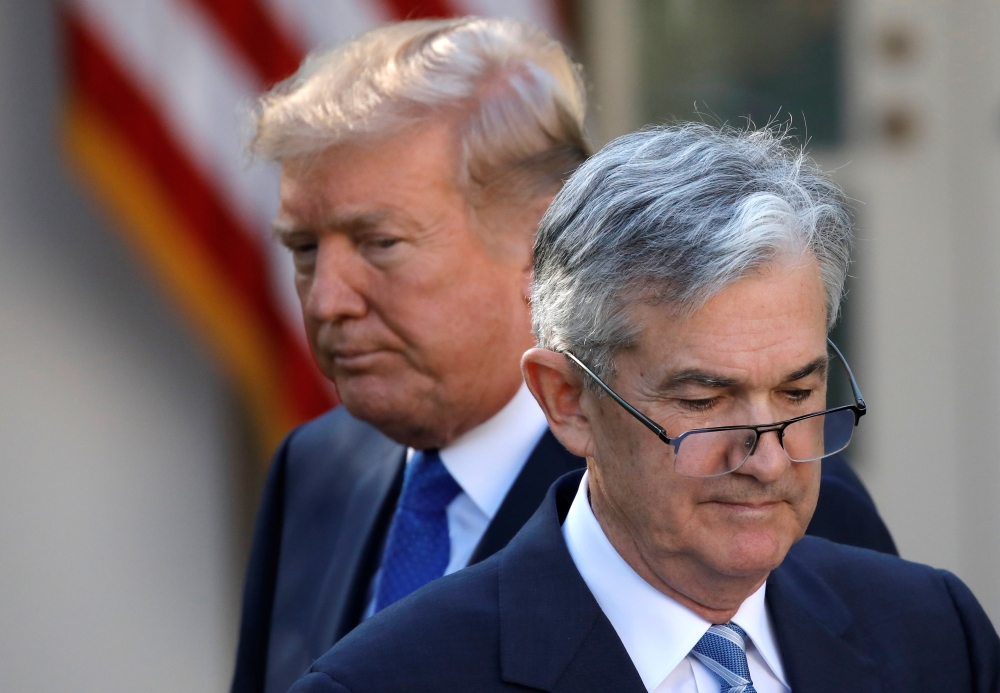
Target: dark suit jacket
(325,511)
(846,619)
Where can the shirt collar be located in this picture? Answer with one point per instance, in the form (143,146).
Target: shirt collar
(754,618)
(486,460)
(657,632)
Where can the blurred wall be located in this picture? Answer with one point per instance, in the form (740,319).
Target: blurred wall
(117,529)
(922,158)
(924,153)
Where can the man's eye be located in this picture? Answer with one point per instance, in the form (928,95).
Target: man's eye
(797,396)
(699,404)
(303,255)
(384,242)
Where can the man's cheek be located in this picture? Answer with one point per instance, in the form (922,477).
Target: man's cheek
(303,284)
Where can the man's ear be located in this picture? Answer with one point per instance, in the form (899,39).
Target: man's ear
(558,387)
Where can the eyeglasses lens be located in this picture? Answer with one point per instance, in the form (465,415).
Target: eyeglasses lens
(820,436)
(710,453)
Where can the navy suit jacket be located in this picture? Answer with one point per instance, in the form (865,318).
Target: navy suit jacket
(325,511)
(846,620)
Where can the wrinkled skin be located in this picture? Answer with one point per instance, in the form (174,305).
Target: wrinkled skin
(707,542)
(411,304)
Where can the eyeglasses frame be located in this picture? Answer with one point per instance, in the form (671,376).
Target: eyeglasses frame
(859,408)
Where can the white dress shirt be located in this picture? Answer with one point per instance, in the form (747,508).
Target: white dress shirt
(659,633)
(485,462)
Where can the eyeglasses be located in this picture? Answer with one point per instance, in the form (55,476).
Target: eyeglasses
(707,452)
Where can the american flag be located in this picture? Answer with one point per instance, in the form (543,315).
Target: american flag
(156,89)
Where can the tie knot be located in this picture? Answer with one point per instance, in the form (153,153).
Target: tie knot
(723,650)
(428,487)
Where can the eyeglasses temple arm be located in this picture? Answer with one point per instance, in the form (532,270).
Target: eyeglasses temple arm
(643,419)
(854,384)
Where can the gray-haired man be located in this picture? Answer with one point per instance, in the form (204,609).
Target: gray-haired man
(416,162)
(686,279)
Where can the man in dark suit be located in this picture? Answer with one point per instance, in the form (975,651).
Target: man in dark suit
(685,282)
(410,223)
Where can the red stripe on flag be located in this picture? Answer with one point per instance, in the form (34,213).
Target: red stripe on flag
(420,9)
(255,34)
(232,249)
(567,21)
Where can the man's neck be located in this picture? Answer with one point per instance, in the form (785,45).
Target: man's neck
(449,417)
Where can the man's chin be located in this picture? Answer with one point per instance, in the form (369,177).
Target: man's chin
(392,409)
(369,397)
(751,553)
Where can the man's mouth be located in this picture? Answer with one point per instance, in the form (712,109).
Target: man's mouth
(748,506)
(356,359)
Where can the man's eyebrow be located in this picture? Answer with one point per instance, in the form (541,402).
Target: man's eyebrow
(697,377)
(340,222)
(707,379)
(281,228)
(818,366)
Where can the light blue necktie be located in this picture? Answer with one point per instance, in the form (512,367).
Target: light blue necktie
(417,549)
(723,650)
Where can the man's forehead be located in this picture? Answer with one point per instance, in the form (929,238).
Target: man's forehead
(354,186)
(678,352)
(429,151)
(314,203)
(735,353)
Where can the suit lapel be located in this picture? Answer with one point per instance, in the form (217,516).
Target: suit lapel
(261,580)
(368,510)
(548,461)
(600,664)
(366,513)
(553,634)
(810,622)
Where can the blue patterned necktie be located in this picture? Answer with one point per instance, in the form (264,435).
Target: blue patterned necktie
(418,548)
(723,650)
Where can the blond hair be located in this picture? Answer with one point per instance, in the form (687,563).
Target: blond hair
(516,97)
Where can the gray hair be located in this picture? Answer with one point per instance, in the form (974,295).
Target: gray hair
(516,97)
(675,214)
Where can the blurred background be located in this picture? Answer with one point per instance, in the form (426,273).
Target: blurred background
(150,350)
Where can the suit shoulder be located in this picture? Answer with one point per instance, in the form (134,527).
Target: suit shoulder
(335,424)
(915,617)
(449,607)
(880,583)
(316,682)
(840,562)
(454,619)
(337,438)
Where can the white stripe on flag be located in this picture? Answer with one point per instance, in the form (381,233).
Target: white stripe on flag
(542,14)
(325,23)
(176,57)
(181,63)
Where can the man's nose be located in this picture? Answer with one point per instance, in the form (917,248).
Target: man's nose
(336,289)
(768,461)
